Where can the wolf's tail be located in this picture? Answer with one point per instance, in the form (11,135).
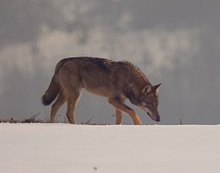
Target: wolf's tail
(52,91)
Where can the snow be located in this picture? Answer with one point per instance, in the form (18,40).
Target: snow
(44,148)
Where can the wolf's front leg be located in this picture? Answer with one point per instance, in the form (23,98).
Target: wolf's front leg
(118,117)
(121,106)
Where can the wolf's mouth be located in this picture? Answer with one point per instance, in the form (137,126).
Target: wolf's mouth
(157,118)
(151,114)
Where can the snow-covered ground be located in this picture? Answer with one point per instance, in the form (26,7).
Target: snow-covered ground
(56,148)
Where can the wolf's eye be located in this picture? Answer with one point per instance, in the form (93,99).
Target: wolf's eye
(150,105)
(143,103)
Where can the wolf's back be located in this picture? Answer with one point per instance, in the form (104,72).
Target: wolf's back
(51,92)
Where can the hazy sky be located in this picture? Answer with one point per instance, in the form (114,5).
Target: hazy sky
(176,43)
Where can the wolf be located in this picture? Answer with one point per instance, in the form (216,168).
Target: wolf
(115,80)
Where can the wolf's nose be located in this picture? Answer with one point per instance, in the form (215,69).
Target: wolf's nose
(158,119)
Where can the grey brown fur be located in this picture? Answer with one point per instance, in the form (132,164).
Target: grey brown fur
(114,80)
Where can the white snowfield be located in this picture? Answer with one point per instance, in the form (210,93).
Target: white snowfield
(65,148)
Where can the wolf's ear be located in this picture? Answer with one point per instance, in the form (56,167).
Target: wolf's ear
(147,89)
(155,87)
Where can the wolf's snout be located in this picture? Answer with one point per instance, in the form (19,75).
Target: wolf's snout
(158,119)
(154,117)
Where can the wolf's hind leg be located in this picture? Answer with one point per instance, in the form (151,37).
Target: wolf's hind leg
(118,104)
(71,105)
(58,103)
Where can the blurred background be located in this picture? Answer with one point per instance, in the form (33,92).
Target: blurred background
(176,43)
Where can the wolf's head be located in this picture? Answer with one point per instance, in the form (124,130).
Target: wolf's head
(148,101)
